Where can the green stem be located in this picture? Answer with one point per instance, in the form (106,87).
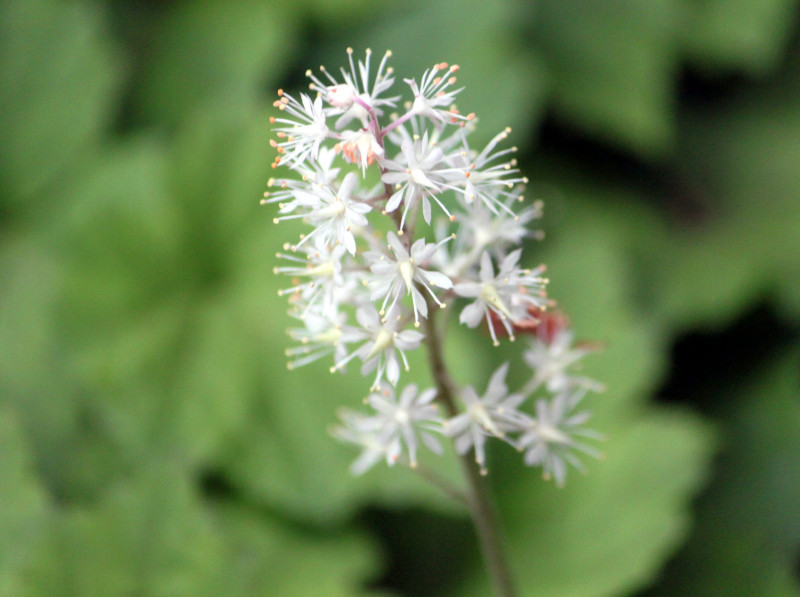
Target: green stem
(479,500)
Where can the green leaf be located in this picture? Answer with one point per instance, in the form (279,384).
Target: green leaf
(612,68)
(265,559)
(155,314)
(31,277)
(213,54)
(146,536)
(742,158)
(607,533)
(23,505)
(747,533)
(179,333)
(35,379)
(738,35)
(58,75)
(788,297)
(151,535)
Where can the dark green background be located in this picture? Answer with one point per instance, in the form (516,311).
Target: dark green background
(151,440)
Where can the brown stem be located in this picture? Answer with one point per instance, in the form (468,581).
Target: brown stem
(480,503)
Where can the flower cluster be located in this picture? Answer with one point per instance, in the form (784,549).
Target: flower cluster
(403,218)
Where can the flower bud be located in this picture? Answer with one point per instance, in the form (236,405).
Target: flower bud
(341,96)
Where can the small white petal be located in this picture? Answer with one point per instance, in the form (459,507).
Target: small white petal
(472,314)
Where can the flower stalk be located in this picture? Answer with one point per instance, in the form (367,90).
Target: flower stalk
(479,500)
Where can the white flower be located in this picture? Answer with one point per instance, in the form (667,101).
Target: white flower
(482,177)
(316,275)
(433,98)
(320,337)
(355,298)
(551,360)
(342,96)
(363,431)
(480,230)
(401,418)
(337,212)
(353,97)
(508,294)
(393,429)
(360,147)
(381,343)
(416,175)
(303,135)
(332,211)
(500,230)
(492,415)
(551,440)
(398,276)
(320,169)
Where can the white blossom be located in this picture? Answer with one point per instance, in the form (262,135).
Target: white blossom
(491,415)
(401,275)
(485,178)
(552,360)
(433,97)
(394,428)
(333,211)
(417,174)
(354,297)
(355,95)
(480,229)
(364,431)
(553,436)
(302,135)
(320,337)
(316,275)
(508,294)
(382,342)
(360,147)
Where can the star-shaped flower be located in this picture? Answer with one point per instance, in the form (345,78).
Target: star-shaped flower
(401,275)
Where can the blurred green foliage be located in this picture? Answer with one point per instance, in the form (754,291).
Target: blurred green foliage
(151,440)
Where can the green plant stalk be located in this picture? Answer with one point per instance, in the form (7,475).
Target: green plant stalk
(478,497)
